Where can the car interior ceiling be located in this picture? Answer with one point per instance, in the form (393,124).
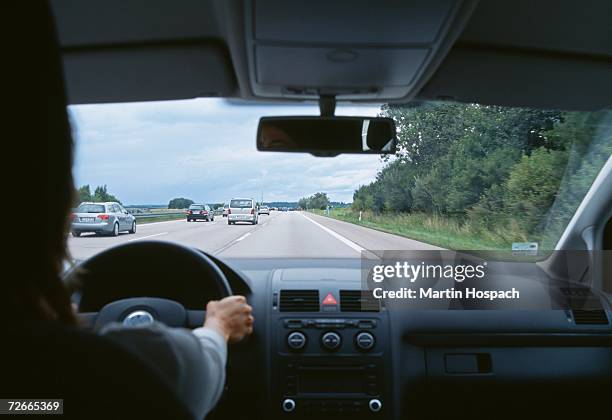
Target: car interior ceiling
(498,52)
(425,363)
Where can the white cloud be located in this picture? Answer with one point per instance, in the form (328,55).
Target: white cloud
(204,149)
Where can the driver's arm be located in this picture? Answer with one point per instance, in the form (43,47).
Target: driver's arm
(193,362)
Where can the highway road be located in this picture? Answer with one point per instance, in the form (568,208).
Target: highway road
(280,235)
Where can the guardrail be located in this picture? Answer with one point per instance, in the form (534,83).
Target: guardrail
(162,214)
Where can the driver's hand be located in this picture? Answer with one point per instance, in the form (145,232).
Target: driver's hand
(231,317)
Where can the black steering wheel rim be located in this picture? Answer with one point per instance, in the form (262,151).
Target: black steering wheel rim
(149,265)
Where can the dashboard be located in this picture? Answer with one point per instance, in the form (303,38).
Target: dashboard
(328,351)
(323,349)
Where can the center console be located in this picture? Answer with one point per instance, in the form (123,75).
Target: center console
(330,363)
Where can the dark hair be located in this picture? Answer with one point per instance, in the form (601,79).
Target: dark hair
(42,295)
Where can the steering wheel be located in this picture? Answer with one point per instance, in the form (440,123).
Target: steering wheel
(145,281)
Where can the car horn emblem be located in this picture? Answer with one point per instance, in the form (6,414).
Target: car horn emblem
(137,318)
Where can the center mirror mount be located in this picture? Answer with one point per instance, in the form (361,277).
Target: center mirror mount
(327,105)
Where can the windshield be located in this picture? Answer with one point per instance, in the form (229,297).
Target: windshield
(194,207)
(240,204)
(90,208)
(465,177)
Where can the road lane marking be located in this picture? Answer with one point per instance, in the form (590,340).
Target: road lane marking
(335,235)
(141,225)
(243,236)
(148,236)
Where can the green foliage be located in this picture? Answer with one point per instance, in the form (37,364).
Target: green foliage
(180,203)
(532,186)
(83,194)
(316,201)
(100,194)
(510,174)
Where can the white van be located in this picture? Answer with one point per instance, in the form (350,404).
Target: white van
(242,210)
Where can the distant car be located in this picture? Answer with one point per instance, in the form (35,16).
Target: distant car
(242,210)
(264,210)
(200,212)
(108,218)
(225,210)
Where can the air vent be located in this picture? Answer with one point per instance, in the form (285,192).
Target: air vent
(589,317)
(358,301)
(299,301)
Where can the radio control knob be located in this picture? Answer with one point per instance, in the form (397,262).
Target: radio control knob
(364,341)
(331,340)
(296,340)
(288,405)
(375,405)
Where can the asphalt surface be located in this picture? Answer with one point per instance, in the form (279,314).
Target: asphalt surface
(280,235)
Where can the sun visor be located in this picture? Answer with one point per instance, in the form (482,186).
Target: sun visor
(148,73)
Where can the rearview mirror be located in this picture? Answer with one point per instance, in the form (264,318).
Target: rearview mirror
(327,136)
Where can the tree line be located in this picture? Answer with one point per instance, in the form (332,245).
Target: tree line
(100,194)
(183,203)
(515,171)
(180,203)
(316,201)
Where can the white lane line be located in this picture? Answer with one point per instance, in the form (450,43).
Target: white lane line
(148,236)
(243,236)
(335,235)
(141,225)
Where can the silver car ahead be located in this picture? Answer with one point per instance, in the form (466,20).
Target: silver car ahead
(105,218)
(242,210)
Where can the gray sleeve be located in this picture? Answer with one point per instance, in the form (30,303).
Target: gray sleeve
(193,362)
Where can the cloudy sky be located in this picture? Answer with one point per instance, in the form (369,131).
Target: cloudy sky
(204,149)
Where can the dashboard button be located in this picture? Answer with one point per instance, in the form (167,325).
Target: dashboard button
(293,323)
(375,405)
(372,389)
(367,323)
(331,340)
(288,405)
(364,341)
(296,340)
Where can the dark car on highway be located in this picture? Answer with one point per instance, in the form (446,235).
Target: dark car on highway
(200,212)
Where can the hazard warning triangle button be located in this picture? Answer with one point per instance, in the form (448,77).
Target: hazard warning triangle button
(330,300)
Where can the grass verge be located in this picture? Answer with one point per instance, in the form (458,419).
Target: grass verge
(435,230)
